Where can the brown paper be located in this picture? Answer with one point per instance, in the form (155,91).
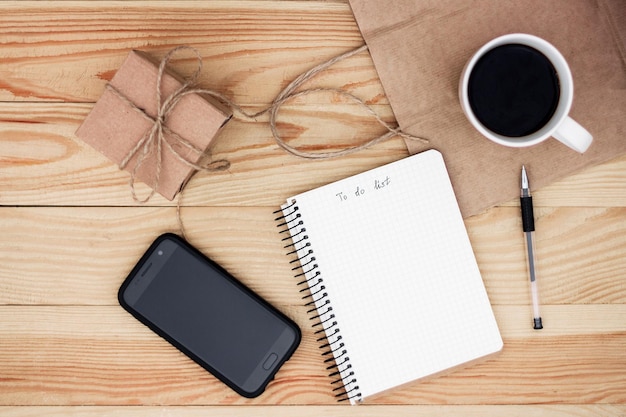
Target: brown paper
(114,128)
(419,49)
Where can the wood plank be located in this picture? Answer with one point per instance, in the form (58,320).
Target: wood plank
(43,163)
(553,410)
(49,357)
(66,51)
(102,322)
(80,255)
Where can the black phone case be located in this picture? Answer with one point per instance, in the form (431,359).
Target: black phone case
(179,345)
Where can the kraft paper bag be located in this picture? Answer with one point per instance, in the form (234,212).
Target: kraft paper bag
(419,49)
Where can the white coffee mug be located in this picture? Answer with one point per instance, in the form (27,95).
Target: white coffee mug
(560,125)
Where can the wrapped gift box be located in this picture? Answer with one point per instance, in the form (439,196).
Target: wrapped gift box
(115,126)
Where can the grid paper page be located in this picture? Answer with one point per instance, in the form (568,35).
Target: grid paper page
(399,271)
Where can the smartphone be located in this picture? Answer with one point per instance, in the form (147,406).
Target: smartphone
(202,310)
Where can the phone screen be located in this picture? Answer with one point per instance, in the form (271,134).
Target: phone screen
(206,313)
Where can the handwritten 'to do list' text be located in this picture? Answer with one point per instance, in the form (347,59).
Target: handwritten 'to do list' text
(361,191)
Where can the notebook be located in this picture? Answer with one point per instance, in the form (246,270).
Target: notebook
(388,273)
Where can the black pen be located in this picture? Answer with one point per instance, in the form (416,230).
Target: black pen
(528,224)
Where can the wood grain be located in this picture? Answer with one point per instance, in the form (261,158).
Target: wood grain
(41,157)
(559,410)
(70,231)
(584,315)
(582,251)
(107,357)
(66,51)
(76,174)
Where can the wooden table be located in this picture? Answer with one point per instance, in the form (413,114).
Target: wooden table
(70,231)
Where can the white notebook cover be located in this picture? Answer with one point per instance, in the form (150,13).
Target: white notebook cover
(393,260)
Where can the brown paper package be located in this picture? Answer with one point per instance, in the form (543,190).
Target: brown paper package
(419,49)
(113,127)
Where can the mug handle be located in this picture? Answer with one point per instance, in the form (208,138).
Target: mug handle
(573,135)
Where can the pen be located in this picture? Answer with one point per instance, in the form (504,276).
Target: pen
(528,224)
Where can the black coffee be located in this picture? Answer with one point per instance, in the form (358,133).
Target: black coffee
(513,90)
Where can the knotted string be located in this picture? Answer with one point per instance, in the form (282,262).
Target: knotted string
(155,136)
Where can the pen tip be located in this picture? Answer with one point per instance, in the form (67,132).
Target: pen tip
(524,178)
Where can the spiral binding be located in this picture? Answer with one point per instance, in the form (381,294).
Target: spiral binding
(332,345)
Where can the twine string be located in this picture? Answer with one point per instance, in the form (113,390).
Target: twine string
(290,92)
(156,137)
